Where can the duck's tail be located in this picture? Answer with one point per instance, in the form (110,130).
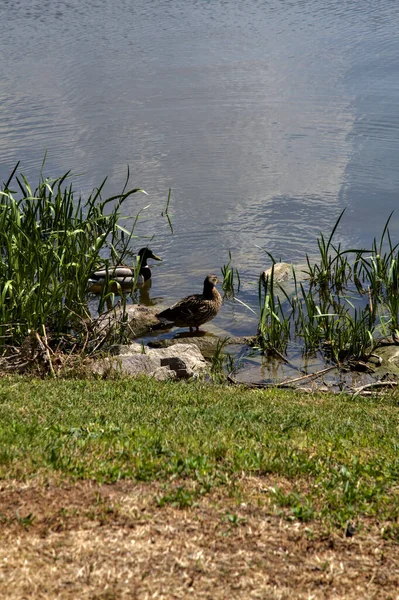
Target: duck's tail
(167,314)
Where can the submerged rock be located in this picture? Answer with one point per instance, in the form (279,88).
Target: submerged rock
(282,272)
(180,361)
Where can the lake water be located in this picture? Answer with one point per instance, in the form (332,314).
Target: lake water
(266,118)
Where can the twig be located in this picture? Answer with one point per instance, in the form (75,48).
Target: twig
(232,379)
(110,330)
(46,344)
(282,357)
(309,376)
(370,301)
(373,385)
(286,383)
(45,348)
(82,321)
(48,351)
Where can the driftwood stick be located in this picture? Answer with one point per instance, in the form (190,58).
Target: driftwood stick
(233,380)
(284,359)
(281,356)
(285,383)
(309,376)
(374,385)
(46,348)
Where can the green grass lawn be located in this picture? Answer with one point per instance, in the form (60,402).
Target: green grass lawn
(333,458)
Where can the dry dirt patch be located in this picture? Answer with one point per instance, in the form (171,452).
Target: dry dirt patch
(85,540)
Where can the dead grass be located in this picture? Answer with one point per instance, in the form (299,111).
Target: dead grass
(92,541)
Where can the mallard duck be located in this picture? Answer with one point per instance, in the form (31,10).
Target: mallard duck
(197,309)
(122,275)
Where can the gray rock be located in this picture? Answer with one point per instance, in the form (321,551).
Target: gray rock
(164,373)
(207,344)
(282,272)
(136,321)
(389,360)
(181,361)
(133,348)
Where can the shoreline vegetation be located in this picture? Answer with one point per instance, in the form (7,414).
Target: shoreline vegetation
(51,240)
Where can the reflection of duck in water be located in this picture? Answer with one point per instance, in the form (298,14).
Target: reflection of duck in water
(144,295)
(197,309)
(122,277)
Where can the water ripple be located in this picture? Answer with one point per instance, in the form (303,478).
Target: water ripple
(266,118)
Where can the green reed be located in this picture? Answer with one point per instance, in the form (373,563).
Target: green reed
(165,213)
(230,275)
(223,363)
(333,270)
(274,324)
(377,275)
(51,240)
(355,335)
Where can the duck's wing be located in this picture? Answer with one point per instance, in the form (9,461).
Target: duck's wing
(116,276)
(112,272)
(184,308)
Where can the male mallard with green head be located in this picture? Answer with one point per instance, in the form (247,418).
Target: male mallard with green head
(122,275)
(197,309)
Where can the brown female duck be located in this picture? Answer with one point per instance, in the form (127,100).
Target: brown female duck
(197,309)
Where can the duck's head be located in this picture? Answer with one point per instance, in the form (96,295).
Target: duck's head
(210,282)
(145,254)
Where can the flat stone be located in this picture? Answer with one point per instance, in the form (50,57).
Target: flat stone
(207,344)
(136,321)
(133,348)
(181,361)
(164,373)
(389,360)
